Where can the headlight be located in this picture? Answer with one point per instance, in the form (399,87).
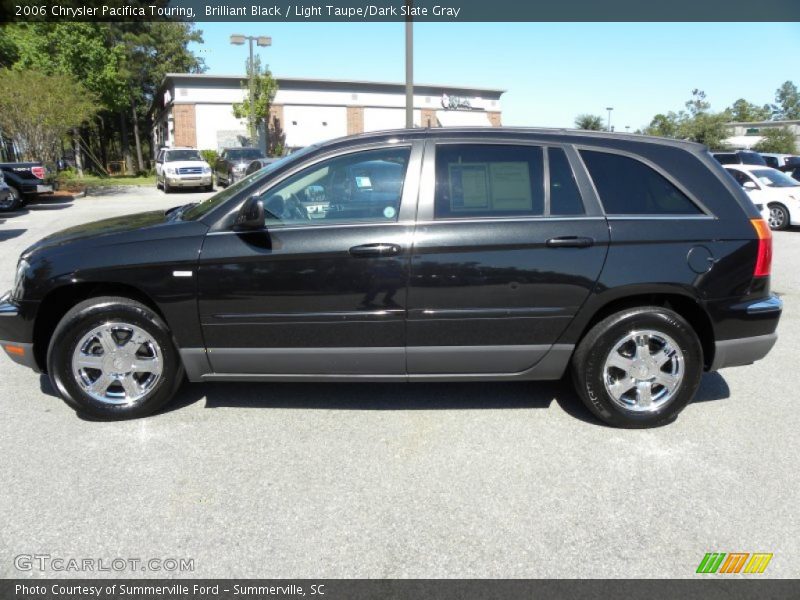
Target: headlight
(170,171)
(19,279)
(207,170)
(239,168)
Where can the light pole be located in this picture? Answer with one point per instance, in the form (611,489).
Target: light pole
(409,66)
(262,41)
(609,109)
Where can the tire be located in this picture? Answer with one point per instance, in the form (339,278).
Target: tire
(167,189)
(778,217)
(158,185)
(74,343)
(209,187)
(13,201)
(618,395)
(231,179)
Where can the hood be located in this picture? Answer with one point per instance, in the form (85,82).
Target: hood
(126,228)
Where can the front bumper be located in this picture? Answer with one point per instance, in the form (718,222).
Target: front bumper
(747,350)
(188,180)
(18,351)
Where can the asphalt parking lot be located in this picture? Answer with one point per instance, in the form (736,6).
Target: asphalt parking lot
(410,480)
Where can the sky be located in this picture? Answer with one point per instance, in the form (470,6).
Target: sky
(552,71)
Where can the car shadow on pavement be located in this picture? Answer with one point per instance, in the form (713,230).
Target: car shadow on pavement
(398,396)
(8,234)
(409,396)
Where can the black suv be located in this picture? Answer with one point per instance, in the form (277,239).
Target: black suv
(415,255)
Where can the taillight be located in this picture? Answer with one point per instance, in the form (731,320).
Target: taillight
(764,260)
(38,172)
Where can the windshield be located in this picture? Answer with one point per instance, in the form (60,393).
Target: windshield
(773,178)
(245,154)
(216,200)
(176,155)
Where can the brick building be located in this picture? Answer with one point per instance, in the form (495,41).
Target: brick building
(196,110)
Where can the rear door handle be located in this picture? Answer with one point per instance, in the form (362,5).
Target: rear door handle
(375,250)
(570,241)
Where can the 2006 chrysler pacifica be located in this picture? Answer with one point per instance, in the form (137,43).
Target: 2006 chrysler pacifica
(418,255)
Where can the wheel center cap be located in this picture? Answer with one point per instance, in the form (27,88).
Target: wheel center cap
(119,364)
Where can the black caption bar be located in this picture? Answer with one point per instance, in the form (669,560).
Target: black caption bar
(399,10)
(395,589)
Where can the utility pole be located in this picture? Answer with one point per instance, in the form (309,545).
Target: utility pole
(409,66)
(609,109)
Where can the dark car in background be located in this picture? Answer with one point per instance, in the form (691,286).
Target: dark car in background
(232,164)
(259,164)
(461,254)
(8,197)
(740,157)
(25,180)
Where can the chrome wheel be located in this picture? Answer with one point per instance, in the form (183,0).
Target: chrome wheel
(643,371)
(117,363)
(777,217)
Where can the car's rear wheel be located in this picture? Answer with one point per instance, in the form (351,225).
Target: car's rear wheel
(12,202)
(778,217)
(638,367)
(113,358)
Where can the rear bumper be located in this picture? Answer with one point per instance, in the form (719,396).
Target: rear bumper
(743,351)
(747,350)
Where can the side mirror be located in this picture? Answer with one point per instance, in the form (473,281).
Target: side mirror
(251,216)
(749,186)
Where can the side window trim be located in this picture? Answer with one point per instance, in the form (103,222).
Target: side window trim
(705,212)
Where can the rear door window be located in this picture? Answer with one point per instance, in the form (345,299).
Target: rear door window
(483,180)
(629,187)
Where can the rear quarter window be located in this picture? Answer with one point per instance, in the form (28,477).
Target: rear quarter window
(629,187)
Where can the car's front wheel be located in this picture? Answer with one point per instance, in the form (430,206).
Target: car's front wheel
(113,358)
(638,367)
(778,217)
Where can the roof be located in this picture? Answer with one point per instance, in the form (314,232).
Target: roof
(765,123)
(570,136)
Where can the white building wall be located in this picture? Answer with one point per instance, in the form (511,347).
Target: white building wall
(377,119)
(213,119)
(305,125)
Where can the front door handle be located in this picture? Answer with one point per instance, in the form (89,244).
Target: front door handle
(570,241)
(375,250)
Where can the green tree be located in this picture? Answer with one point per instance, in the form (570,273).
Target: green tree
(787,101)
(663,125)
(122,64)
(589,122)
(743,111)
(265,88)
(777,139)
(40,121)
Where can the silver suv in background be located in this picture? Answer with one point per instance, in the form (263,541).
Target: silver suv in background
(182,167)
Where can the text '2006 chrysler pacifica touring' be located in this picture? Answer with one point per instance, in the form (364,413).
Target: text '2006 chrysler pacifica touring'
(632,263)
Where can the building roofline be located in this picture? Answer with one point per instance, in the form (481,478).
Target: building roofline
(785,122)
(333,81)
